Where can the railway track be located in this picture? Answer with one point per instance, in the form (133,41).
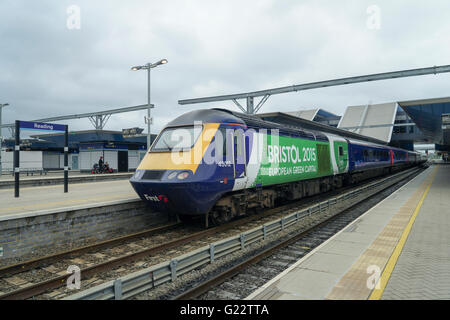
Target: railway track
(52,267)
(45,278)
(37,262)
(240,278)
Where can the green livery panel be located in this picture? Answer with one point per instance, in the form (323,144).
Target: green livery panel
(287,159)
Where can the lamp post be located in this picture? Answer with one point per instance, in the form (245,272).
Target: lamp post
(148,67)
(1,137)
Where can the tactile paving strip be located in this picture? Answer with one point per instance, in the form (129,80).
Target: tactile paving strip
(356,283)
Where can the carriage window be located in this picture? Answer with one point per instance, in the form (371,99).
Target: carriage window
(238,145)
(366,155)
(341,151)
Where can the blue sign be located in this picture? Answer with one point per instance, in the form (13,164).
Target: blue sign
(41,126)
(91,146)
(103,146)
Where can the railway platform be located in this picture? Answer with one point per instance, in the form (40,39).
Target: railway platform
(45,199)
(396,250)
(45,219)
(57,177)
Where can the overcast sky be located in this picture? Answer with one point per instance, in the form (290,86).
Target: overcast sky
(50,65)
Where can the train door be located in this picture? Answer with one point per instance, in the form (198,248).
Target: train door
(239,160)
(75,162)
(341,155)
(122,161)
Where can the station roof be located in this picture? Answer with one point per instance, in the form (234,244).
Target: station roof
(314,114)
(294,121)
(373,120)
(305,114)
(90,136)
(56,140)
(427,113)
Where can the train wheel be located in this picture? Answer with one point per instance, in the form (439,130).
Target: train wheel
(220,217)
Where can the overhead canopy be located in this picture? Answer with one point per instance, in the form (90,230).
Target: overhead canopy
(372,120)
(427,114)
(305,114)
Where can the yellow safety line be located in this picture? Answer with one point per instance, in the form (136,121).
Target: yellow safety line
(382,282)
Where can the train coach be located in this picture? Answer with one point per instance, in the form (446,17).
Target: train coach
(221,164)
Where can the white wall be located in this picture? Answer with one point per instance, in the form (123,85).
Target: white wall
(133,159)
(88,158)
(28,160)
(51,160)
(61,160)
(111,158)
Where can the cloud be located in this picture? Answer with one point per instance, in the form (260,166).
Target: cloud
(213,48)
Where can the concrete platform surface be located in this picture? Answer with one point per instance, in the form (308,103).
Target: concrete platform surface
(422,270)
(58,174)
(38,199)
(360,262)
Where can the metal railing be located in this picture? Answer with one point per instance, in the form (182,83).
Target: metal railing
(29,171)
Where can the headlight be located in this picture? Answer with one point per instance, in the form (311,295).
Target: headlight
(183,175)
(172,175)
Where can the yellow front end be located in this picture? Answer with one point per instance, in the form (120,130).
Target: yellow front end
(181,160)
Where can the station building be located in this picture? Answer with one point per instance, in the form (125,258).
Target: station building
(403,123)
(45,151)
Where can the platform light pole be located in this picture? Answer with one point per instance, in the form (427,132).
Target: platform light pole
(1,137)
(148,67)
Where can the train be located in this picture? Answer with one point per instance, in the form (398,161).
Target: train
(220,164)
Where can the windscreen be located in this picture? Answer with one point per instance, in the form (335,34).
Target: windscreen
(176,139)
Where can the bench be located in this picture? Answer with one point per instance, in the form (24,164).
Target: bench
(32,171)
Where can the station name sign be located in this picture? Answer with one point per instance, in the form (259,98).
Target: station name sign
(131,132)
(41,126)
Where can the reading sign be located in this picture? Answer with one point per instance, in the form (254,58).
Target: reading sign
(31,125)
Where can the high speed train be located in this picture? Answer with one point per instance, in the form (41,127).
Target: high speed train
(221,164)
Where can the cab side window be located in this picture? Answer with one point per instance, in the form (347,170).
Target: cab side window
(223,132)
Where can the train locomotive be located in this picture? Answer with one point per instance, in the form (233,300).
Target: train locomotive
(221,164)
